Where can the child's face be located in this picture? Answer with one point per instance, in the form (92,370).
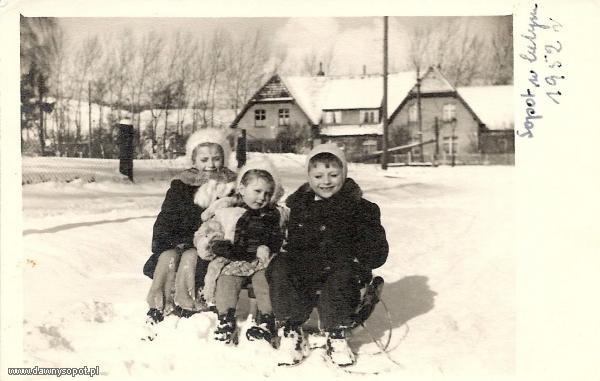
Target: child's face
(208,158)
(325,180)
(257,193)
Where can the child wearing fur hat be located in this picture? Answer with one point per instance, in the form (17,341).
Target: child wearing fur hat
(240,238)
(335,238)
(173,266)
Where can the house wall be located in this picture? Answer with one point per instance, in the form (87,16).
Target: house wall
(354,146)
(270,129)
(466,130)
(352,116)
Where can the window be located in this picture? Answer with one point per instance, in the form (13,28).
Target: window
(259,117)
(284,116)
(412,113)
(333,117)
(450,145)
(369,116)
(449,112)
(370,145)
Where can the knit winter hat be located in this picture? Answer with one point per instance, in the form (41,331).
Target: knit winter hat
(266,165)
(332,149)
(208,135)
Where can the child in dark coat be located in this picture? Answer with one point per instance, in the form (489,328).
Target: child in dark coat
(173,266)
(240,239)
(335,239)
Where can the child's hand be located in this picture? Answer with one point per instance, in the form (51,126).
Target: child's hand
(263,253)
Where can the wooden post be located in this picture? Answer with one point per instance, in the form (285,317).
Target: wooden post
(89,119)
(41,108)
(384,117)
(241,148)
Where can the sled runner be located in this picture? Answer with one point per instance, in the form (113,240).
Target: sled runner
(315,338)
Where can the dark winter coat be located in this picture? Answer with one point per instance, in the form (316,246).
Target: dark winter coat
(341,229)
(179,216)
(253,228)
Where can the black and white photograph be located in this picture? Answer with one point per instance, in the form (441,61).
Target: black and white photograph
(197,194)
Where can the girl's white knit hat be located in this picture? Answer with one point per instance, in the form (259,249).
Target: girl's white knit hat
(208,135)
(264,164)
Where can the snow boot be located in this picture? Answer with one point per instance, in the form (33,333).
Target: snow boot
(337,347)
(183,312)
(264,329)
(226,328)
(153,317)
(293,347)
(368,302)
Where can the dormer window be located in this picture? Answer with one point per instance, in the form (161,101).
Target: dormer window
(332,117)
(369,116)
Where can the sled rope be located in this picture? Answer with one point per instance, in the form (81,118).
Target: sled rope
(383,349)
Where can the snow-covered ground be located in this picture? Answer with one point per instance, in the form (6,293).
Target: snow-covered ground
(450,280)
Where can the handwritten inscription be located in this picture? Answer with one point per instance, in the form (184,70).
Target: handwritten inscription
(548,77)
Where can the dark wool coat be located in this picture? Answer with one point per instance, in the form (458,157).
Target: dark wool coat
(341,229)
(253,228)
(179,216)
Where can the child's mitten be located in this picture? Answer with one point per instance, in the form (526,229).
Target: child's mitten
(263,254)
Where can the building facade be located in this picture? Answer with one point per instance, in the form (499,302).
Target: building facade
(428,119)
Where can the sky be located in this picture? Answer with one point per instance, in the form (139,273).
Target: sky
(355,41)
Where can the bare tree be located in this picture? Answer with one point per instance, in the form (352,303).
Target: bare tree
(245,70)
(41,45)
(450,44)
(146,63)
(500,63)
(88,56)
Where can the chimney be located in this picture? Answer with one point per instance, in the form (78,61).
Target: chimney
(321,73)
(364,70)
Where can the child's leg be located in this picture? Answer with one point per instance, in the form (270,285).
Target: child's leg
(291,288)
(160,293)
(261,292)
(185,278)
(228,292)
(340,295)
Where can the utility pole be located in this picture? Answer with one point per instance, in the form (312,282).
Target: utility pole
(90,120)
(384,117)
(436,127)
(419,116)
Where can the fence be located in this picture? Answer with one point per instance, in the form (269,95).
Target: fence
(44,169)
(464,159)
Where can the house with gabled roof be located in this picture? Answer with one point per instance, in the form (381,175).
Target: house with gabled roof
(347,110)
(342,109)
(454,121)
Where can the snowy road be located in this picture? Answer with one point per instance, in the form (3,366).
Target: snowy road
(450,279)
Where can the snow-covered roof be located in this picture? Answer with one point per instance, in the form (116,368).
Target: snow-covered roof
(352,129)
(318,93)
(492,104)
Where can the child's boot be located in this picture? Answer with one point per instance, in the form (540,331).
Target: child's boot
(264,329)
(153,317)
(226,328)
(292,345)
(338,349)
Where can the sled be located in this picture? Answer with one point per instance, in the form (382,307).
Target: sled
(316,338)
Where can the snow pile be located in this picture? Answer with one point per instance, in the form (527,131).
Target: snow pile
(449,280)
